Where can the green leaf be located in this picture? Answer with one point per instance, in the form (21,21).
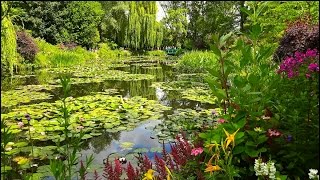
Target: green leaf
(245,10)
(251,152)
(214,48)
(261,150)
(238,150)
(262,139)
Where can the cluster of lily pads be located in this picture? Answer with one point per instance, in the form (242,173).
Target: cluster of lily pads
(20,96)
(187,120)
(93,114)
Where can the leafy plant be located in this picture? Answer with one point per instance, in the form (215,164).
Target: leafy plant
(26,46)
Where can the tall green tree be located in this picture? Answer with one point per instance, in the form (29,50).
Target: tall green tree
(84,19)
(175,27)
(143,32)
(8,40)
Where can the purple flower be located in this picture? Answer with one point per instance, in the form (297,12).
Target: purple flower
(27,116)
(289,138)
(313,67)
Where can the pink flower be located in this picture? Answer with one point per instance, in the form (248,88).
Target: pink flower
(308,76)
(196,151)
(221,121)
(273,132)
(80,127)
(20,124)
(313,67)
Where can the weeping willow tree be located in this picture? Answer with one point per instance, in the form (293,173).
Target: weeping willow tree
(8,42)
(143,29)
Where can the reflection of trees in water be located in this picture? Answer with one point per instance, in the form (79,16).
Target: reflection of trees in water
(99,143)
(9,83)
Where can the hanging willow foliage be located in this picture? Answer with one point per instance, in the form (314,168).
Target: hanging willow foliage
(8,43)
(143,29)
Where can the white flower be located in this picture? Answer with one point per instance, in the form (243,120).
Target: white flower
(43,133)
(313,174)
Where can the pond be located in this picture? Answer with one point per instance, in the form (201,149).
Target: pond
(131,107)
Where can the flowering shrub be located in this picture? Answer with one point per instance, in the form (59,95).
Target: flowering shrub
(291,65)
(265,169)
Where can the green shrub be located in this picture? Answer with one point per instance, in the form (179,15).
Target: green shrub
(196,61)
(53,56)
(158,53)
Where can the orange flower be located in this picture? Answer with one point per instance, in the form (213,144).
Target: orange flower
(211,168)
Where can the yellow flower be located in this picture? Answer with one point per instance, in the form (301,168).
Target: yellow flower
(210,146)
(230,137)
(149,175)
(257,129)
(211,168)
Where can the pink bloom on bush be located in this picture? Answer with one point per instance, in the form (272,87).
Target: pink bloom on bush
(313,67)
(20,124)
(311,53)
(221,121)
(273,132)
(196,151)
(308,76)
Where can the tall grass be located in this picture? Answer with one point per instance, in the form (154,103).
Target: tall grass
(53,56)
(196,61)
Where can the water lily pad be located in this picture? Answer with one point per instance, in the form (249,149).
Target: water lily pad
(126,145)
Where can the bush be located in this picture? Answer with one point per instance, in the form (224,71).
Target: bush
(299,36)
(196,61)
(26,46)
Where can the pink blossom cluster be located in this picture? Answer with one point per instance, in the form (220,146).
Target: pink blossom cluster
(196,151)
(273,133)
(291,65)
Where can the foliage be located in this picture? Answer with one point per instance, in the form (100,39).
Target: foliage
(143,31)
(52,56)
(83,22)
(274,15)
(176,27)
(196,61)
(159,53)
(207,18)
(8,43)
(299,36)
(59,168)
(26,46)
(47,20)
(106,54)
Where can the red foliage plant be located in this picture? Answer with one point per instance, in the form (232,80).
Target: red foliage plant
(26,47)
(299,36)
